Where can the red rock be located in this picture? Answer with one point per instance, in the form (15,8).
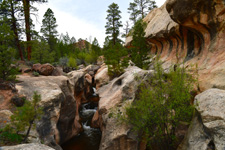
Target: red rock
(45,69)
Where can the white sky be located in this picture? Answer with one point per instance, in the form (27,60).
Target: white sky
(85,18)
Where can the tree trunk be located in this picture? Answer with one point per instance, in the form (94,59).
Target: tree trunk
(28,131)
(26,5)
(15,30)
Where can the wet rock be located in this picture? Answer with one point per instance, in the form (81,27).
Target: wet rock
(31,146)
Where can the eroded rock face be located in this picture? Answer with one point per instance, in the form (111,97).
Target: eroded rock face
(115,95)
(190,31)
(102,77)
(31,146)
(61,98)
(53,99)
(207,130)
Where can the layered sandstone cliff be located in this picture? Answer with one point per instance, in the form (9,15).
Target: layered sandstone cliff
(190,31)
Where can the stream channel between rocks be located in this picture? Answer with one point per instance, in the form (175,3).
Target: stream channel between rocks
(90,138)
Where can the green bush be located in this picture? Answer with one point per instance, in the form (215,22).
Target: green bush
(36,74)
(140,49)
(72,62)
(6,52)
(22,120)
(91,58)
(161,105)
(41,52)
(116,59)
(7,136)
(63,61)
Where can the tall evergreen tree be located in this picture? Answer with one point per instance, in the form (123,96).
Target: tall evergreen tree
(10,8)
(139,49)
(49,25)
(6,37)
(145,6)
(48,28)
(113,23)
(134,12)
(96,47)
(28,23)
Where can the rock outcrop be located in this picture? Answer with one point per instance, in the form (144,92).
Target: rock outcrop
(207,130)
(4,118)
(102,77)
(31,146)
(45,69)
(61,98)
(114,96)
(190,31)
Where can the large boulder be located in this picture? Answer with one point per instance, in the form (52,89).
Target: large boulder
(31,146)
(45,69)
(207,130)
(113,96)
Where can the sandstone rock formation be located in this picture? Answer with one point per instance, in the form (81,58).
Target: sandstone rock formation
(207,130)
(61,99)
(113,96)
(191,31)
(31,146)
(102,77)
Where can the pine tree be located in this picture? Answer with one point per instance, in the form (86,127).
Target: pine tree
(28,23)
(113,23)
(139,49)
(6,51)
(145,6)
(48,28)
(25,116)
(115,58)
(49,25)
(41,52)
(10,8)
(96,47)
(134,12)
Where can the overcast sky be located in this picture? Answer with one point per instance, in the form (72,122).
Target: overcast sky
(83,18)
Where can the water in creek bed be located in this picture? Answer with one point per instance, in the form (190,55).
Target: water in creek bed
(91,137)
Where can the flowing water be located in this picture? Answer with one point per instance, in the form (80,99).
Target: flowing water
(91,137)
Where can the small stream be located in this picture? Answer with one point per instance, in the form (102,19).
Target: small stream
(91,137)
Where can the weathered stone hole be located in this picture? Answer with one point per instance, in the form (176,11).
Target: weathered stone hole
(211,145)
(119,82)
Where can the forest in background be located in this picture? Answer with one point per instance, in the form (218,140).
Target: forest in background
(20,41)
